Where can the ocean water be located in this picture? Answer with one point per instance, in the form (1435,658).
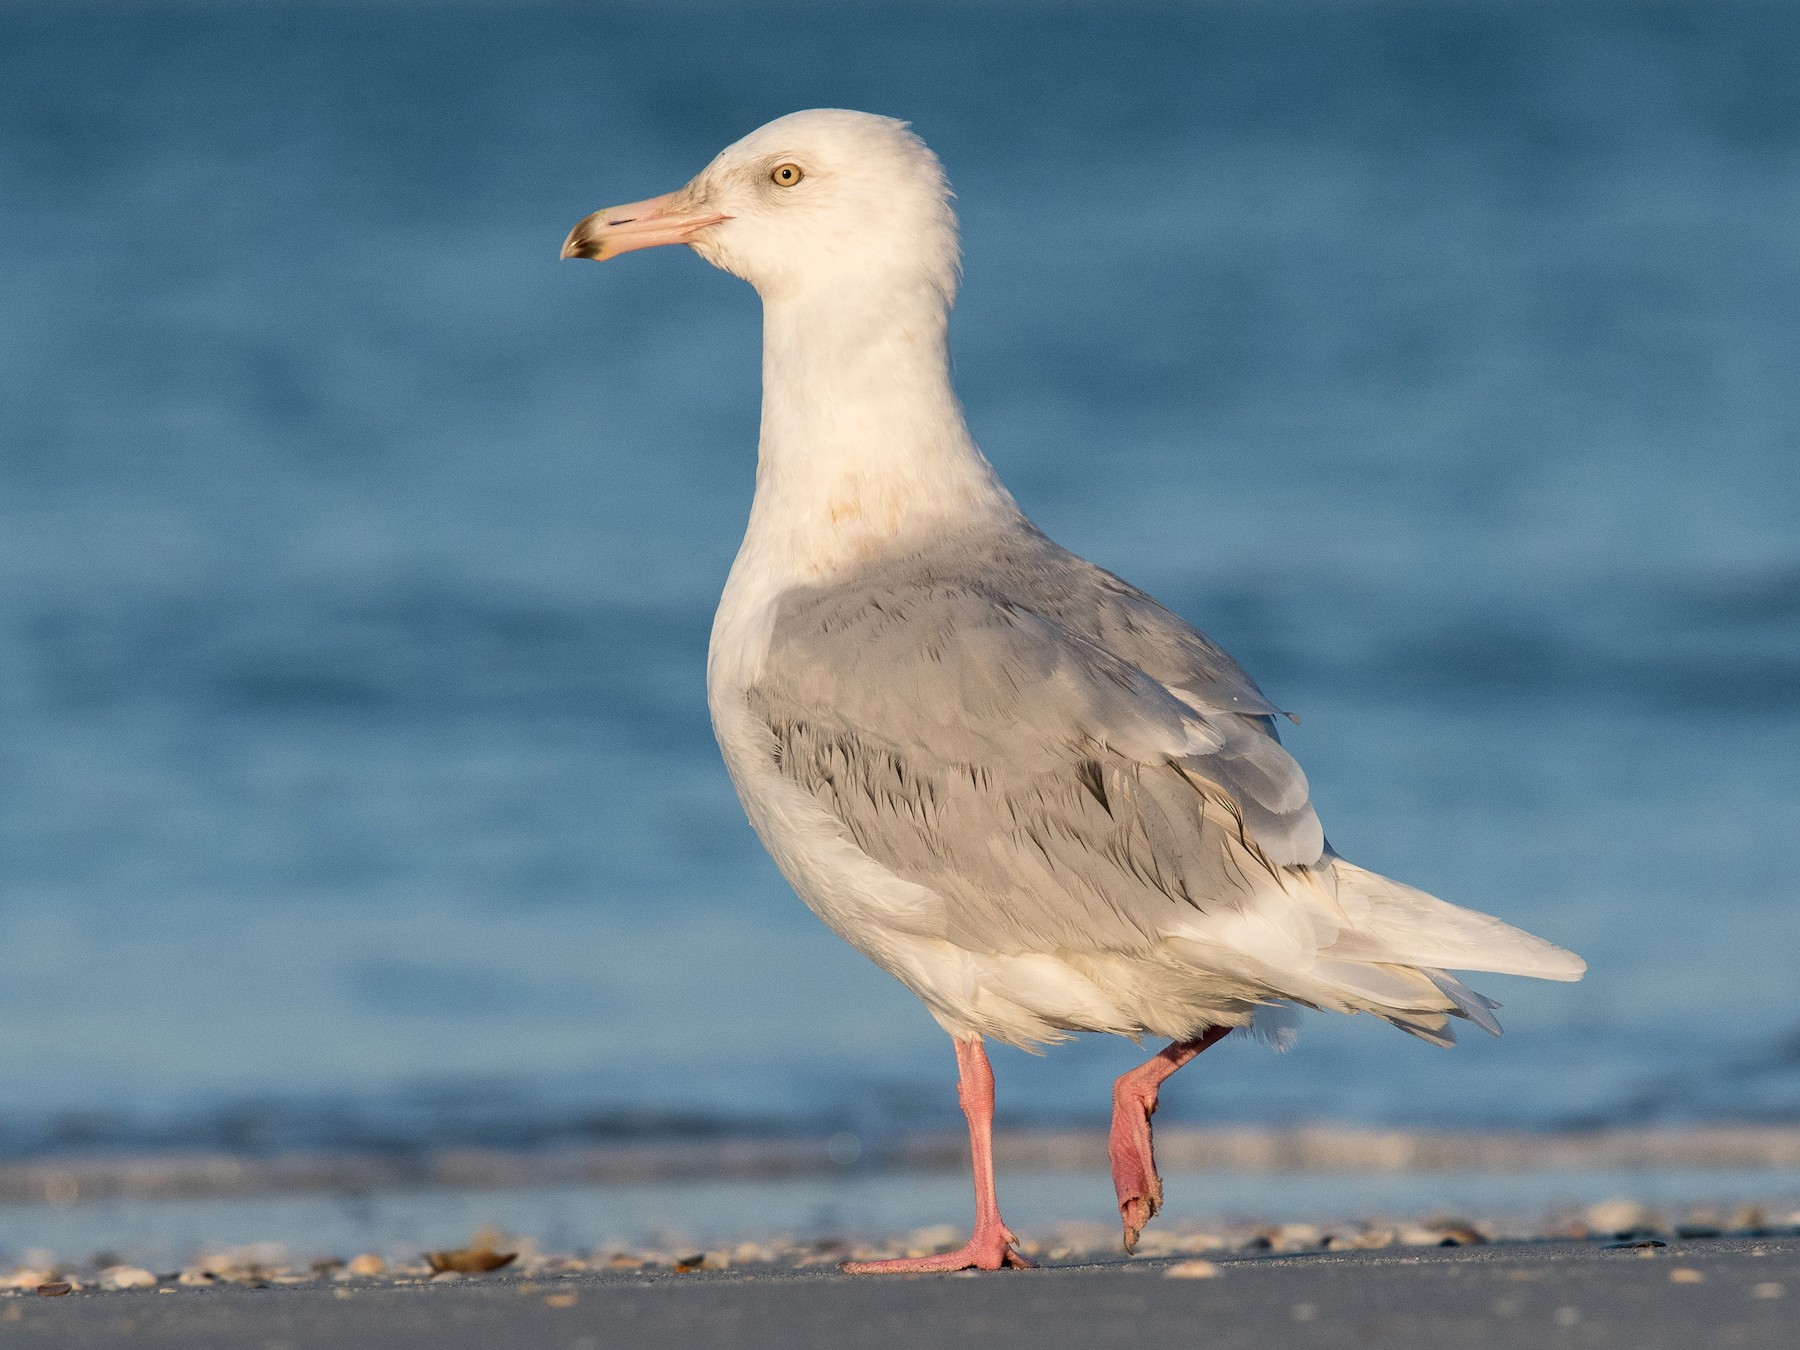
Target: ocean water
(357,556)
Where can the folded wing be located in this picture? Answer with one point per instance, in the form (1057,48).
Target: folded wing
(1073,771)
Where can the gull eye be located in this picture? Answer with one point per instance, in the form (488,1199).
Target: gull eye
(786,175)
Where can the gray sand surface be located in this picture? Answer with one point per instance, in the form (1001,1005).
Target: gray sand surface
(1726,1292)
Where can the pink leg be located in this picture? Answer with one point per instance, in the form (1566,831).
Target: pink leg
(991,1246)
(1133,1159)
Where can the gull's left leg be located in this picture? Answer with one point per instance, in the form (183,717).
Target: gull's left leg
(991,1245)
(1133,1159)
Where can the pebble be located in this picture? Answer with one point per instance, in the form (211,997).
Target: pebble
(1460,1235)
(1296,1237)
(1619,1217)
(1686,1275)
(704,1260)
(366,1265)
(126,1277)
(1191,1270)
(471,1260)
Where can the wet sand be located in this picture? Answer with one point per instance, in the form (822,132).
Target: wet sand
(1741,1292)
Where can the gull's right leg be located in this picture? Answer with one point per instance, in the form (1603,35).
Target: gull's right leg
(1133,1158)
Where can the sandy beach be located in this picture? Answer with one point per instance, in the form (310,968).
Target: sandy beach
(1310,1259)
(1720,1292)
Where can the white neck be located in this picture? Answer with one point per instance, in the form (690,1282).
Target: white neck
(863,449)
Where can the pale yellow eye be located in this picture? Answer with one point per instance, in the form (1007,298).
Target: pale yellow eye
(786,175)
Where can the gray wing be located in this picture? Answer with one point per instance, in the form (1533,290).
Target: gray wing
(1117,617)
(1064,762)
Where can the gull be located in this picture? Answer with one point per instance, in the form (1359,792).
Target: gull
(1036,797)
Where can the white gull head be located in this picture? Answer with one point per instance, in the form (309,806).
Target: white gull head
(842,221)
(814,202)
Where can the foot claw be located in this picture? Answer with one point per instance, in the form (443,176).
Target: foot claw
(1134,1213)
(1016,1259)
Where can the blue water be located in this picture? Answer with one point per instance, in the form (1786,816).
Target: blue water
(357,557)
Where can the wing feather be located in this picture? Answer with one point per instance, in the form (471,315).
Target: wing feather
(1058,795)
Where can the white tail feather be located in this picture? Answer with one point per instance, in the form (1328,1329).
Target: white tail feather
(1394,923)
